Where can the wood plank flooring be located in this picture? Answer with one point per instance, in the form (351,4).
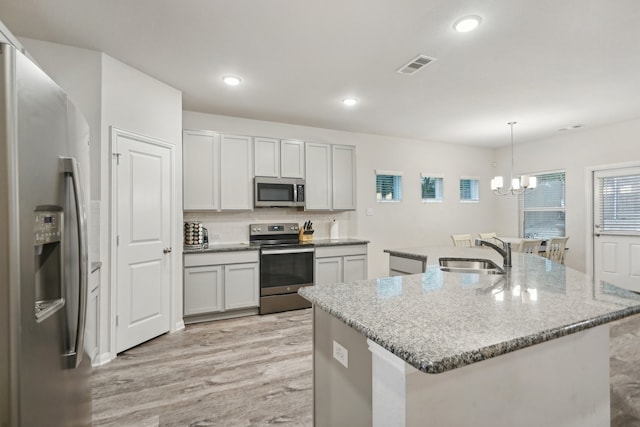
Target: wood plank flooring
(256,371)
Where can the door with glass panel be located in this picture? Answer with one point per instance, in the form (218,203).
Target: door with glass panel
(616,235)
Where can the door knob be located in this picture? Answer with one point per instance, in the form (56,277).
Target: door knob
(166,250)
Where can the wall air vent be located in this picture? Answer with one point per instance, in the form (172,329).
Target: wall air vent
(415,65)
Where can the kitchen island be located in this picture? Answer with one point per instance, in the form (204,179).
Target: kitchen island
(526,348)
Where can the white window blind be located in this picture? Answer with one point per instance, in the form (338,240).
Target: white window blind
(388,186)
(469,190)
(432,188)
(619,203)
(542,211)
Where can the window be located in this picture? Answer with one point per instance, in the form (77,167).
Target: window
(432,188)
(469,190)
(388,186)
(542,211)
(619,203)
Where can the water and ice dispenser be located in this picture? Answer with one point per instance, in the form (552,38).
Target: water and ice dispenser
(49,252)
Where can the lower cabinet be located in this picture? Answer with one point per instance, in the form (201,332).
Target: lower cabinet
(337,264)
(92,318)
(220,282)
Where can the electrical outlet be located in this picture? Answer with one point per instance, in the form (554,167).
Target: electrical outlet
(369,211)
(214,237)
(341,354)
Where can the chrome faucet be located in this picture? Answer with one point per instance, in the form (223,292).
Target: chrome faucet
(504,251)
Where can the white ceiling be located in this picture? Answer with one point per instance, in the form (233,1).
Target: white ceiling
(547,64)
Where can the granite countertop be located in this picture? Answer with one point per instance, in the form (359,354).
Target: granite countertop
(229,247)
(439,321)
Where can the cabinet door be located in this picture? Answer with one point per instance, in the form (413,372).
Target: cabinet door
(267,157)
(241,287)
(344,177)
(202,290)
(92,323)
(236,191)
(292,159)
(318,176)
(328,271)
(200,170)
(354,267)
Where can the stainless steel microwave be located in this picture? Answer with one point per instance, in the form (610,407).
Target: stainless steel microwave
(278,192)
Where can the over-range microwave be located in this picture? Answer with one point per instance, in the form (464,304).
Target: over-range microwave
(278,192)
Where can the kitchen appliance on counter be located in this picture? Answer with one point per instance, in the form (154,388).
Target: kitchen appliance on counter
(195,236)
(285,266)
(44,150)
(278,192)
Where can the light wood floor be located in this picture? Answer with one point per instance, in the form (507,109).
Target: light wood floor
(256,371)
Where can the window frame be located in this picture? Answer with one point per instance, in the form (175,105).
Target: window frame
(439,188)
(477,190)
(563,201)
(397,186)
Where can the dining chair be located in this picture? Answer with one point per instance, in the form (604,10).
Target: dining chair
(530,246)
(462,240)
(555,249)
(489,236)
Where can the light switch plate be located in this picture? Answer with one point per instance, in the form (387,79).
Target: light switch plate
(369,211)
(341,354)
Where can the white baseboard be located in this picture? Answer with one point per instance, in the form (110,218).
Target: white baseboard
(179,325)
(101,359)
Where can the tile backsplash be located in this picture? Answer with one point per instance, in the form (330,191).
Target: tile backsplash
(233,227)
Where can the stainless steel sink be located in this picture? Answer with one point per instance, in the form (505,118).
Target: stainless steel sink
(470,265)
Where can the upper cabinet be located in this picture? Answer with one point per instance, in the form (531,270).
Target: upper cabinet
(330,182)
(201,170)
(278,158)
(217,171)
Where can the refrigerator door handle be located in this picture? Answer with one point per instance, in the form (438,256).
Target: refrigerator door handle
(72,169)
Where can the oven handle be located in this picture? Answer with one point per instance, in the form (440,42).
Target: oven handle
(285,251)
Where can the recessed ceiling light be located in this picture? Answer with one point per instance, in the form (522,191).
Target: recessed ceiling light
(467,23)
(350,102)
(232,80)
(572,127)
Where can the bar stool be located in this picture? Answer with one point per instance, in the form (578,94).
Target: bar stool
(489,237)
(555,249)
(530,246)
(462,240)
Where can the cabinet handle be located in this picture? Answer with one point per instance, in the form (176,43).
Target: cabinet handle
(167,250)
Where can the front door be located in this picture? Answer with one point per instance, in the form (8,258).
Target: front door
(616,237)
(143,211)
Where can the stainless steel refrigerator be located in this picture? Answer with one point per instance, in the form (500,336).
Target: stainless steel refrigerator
(44,160)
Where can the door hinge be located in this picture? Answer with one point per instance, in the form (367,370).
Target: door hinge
(117,240)
(117,319)
(117,156)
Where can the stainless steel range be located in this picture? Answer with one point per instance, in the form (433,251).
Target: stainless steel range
(285,266)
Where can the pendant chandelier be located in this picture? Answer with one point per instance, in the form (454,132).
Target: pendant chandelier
(519,185)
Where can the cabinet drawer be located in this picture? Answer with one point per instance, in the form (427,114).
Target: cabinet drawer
(399,265)
(217,258)
(346,250)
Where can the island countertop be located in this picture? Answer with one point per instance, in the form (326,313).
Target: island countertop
(439,321)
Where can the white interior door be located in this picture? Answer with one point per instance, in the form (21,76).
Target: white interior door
(144,199)
(616,237)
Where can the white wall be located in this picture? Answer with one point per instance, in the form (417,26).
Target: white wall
(575,152)
(393,225)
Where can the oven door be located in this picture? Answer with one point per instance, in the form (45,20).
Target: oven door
(283,271)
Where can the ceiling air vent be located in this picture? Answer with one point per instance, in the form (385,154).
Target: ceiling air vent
(415,64)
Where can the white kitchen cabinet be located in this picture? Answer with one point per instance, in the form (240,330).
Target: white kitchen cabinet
(267,157)
(291,158)
(338,264)
(318,176)
(216,171)
(220,284)
(330,177)
(203,290)
(240,286)
(201,170)
(278,158)
(236,189)
(344,177)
